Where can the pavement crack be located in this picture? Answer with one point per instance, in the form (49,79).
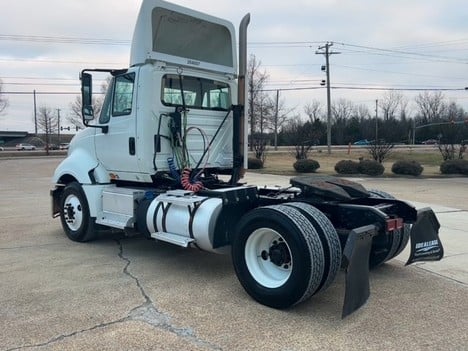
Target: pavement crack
(146,312)
(149,314)
(64,336)
(126,272)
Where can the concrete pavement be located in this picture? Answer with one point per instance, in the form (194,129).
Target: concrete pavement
(121,293)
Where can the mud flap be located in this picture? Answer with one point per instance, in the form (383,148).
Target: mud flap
(55,200)
(425,242)
(356,263)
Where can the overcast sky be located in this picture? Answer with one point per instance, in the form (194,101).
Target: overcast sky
(408,44)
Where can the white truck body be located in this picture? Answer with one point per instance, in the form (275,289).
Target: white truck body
(170,124)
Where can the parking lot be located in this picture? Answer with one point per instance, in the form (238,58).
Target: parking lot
(129,293)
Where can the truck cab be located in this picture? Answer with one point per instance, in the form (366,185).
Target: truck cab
(173,93)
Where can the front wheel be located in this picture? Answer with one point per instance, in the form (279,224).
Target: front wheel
(278,256)
(74,214)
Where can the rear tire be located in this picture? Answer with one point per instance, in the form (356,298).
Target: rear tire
(400,237)
(278,256)
(74,214)
(329,238)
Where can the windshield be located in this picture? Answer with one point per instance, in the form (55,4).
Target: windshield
(199,93)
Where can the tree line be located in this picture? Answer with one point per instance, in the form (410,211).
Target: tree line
(434,117)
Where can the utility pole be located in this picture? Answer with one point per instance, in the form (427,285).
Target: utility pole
(35,113)
(376,122)
(325,50)
(58,126)
(276,119)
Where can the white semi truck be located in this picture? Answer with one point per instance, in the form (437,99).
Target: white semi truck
(165,155)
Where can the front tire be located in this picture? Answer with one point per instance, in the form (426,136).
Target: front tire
(74,214)
(278,256)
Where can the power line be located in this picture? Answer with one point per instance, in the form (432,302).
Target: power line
(43,84)
(436,44)
(64,40)
(406,53)
(61,61)
(42,93)
(366,88)
(395,72)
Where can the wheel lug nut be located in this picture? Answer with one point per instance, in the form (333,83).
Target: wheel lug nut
(264,255)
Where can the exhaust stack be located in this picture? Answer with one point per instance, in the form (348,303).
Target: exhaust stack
(239,142)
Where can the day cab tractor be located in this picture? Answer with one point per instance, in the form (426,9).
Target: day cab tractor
(165,156)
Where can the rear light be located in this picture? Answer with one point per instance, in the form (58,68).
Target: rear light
(394,224)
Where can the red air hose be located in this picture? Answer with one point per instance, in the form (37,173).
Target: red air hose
(187,184)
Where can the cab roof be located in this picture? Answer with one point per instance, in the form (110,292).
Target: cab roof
(177,35)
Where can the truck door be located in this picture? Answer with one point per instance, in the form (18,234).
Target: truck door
(116,148)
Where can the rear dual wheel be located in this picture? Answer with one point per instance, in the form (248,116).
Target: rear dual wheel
(279,256)
(381,253)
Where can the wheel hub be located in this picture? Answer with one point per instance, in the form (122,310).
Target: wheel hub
(268,257)
(72,212)
(279,254)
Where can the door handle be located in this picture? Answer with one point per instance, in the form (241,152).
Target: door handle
(131,146)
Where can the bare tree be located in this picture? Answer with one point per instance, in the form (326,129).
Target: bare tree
(361,112)
(431,106)
(454,112)
(390,103)
(404,109)
(3,99)
(342,110)
(47,122)
(303,135)
(451,134)
(75,117)
(280,116)
(313,110)
(256,82)
(264,108)
(380,150)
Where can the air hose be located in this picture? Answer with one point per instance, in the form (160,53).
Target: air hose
(189,184)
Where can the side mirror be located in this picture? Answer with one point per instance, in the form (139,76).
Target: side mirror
(87,96)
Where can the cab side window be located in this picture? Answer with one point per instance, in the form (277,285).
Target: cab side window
(104,117)
(123,95)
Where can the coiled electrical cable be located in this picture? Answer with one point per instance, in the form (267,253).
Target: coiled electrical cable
(189,184)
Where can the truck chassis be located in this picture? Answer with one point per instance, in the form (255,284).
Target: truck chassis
(287,244)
